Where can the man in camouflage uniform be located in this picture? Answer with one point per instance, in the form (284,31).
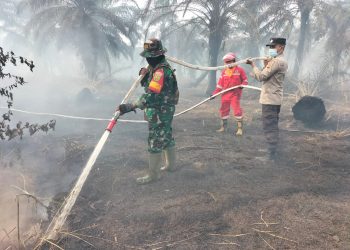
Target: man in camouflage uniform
(158,102)
(272,77)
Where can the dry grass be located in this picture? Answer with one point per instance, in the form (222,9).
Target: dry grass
(338,134)
(306,87)
(267,230)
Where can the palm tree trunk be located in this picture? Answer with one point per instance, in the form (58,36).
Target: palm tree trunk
(253,49)
(214,47)
(198,80)
(254,46)
(306,9)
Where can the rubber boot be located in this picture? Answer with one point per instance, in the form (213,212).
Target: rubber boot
(239,128)
(154,169)
(223,127)
(170,159)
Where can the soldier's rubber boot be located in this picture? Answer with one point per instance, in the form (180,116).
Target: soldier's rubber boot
(155,160)
(170,159)
(223,127)
(239,128)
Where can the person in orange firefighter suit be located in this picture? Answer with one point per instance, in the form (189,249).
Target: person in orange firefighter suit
(230,77)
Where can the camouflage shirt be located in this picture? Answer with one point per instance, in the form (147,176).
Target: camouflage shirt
(160,87)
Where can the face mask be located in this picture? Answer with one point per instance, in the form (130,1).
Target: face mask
(273,52)
(233,61)
(154,61)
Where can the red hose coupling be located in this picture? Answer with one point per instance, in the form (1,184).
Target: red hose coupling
(111,125)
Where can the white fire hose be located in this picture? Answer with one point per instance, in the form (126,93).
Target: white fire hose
(174,60)
(131,121)
(206,68)
(60,217)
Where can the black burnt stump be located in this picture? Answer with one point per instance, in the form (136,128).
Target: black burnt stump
(310,110)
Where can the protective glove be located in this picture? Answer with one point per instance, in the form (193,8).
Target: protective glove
(126,108)
(212,97)
(143,71)
(250,62)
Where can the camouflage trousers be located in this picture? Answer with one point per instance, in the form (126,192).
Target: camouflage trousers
(270,117)
(160,129)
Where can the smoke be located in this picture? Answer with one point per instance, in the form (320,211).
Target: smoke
(47,164)
(43,166)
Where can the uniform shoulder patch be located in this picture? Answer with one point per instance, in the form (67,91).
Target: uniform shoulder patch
(156,84)
(157,76)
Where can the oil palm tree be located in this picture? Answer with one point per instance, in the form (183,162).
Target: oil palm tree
(216,17)
(259,20)
(212,19)
(96,29)
(305,7)
(221,21)
(10,23)
(337,34)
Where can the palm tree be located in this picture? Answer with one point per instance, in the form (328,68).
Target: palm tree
(97,29)
(220,20)
(10,22)
(337,33)
(191,45)
(162,18)
(258,20)
(217,19)
(305,8)
(167,21)
(212,18)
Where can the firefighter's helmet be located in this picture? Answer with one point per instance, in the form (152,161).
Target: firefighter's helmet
(229,57)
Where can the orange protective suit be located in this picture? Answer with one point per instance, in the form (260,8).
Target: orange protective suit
(231,77)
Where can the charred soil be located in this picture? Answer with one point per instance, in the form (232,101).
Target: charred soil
(225,193)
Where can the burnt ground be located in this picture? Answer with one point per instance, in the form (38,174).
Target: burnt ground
(225,194)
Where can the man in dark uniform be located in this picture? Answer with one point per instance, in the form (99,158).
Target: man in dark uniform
(272,78)
(158,102)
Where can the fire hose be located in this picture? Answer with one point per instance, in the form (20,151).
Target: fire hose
(60,217)
(174,60)
(133,121)
(206,68)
